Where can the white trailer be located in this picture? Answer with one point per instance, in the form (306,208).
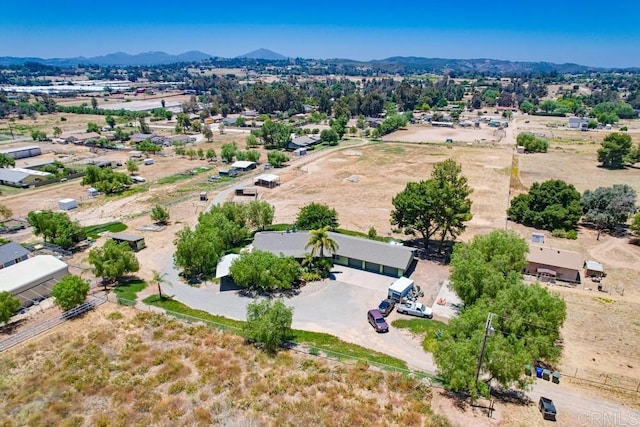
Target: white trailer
(67,204)
(400,289)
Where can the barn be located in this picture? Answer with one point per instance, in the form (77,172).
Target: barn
(32,280)
(135,242)
(268,180)
(22,152)
(363,254)
(244,165)
(549,264)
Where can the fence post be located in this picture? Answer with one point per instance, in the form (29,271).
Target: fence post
(576,374)
(606,378)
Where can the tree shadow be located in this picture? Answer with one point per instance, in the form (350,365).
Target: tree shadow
(433,252)
(516,397)
(11,328)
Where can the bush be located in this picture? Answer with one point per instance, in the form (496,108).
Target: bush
(9,304)
(572,234)
(268,324)
(560,233)
(70,292)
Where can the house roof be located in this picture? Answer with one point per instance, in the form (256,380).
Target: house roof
(555,257)
(305,141)
(32,172)
(267,177)
(18,149)
(30,271)
(12,175)
(126,237)
(293,244)
(594,266)
(10,251)
(224,264)
(242,164)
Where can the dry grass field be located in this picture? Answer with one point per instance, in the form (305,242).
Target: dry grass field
(122,367)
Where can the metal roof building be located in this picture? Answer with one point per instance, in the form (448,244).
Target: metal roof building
(33,279)
(12,253)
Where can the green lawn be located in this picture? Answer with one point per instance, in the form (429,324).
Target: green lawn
(175,178)
(129,290)
(427,328)
(93,231)
(325,342)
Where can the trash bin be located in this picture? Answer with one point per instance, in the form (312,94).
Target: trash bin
(546,374)
(555,377)
(539,372)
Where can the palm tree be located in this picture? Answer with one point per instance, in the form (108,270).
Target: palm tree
(319,242)
(159,278)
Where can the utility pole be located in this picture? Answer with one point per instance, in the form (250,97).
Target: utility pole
(488,330)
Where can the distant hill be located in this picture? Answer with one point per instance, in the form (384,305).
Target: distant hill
(115,59)
(265,54)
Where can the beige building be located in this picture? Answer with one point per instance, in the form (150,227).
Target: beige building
(549,264)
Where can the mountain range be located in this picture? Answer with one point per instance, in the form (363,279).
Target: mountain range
(398,64)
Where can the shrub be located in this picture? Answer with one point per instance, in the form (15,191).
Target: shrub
(268,324)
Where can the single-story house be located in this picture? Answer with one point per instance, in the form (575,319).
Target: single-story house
(554,264)
(593,269)
(244,165)
(268,180)
(304,141)
(578,123)
(12,253)
(364,254)
(33,279)
(79,138)
(19,177)
(180,139)
(139,137)
(374,122)
(22,152)
(135,242)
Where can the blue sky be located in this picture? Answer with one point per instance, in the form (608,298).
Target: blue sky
(555,31)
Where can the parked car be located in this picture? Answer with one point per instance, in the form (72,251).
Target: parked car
(376,319)
(415,309)
(386,306)
(547,408)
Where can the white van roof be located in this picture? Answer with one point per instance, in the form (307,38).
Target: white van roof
(401,284)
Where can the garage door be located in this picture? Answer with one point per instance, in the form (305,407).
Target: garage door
(371,266)
(355,263)
(390,271)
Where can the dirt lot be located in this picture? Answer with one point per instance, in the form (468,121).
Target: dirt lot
(425,133)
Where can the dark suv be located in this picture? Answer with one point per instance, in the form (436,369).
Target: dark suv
(386,307)
(547,408)
(377,321)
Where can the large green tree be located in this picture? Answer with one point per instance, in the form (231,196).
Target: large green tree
(614,151)
(260,214)
(263,271)
(56,227)
(453,203)
(9,304)
(607,207)
(112,261)
(314,216)
(70,292)
(526,319)
(526,325)
(488,264)
(531,143)
(550,205)
(105,180)
(439,204)
(275,134)
(268,324)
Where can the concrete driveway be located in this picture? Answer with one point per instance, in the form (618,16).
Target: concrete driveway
(335,306)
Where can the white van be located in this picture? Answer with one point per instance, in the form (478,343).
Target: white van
(138,179)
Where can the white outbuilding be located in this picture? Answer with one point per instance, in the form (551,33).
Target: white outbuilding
(33,279)
(67,204)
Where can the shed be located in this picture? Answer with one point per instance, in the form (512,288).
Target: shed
(67,204)
(302,151)
(135,242)
(593,269)
(92,192)
(537,238)
(244,165)
(520,149)
(246,191)
(22,152)
(203,196)
(135,153)
(268,180)
(32,280)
